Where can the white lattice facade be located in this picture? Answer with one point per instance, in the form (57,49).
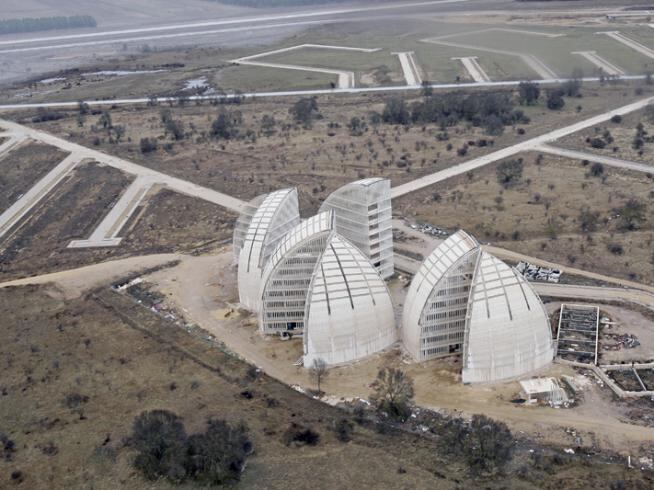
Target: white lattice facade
(319,284)
(287,278)
(277,214)
(243,223)
(363,215)
(465,300)
(507,329)
(436,304)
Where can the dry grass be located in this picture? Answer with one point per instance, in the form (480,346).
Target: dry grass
(23,168)
(77,373)
(540,215)
(623,134)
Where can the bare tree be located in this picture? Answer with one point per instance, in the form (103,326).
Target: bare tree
(393,393)
(318,371)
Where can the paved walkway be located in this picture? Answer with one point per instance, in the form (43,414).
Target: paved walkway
(106,234)
(608,67)
(410,68)
(529,145)
(79,153)
(474,69)
(10,217)
(592,157)
(300,93)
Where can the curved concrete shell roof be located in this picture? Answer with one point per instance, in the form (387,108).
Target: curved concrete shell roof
(507,329)
(277,214)
(429,283)
(349,310)
(288,275)
(243,223)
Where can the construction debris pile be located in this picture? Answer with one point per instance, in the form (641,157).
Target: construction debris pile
(536,273)
(430,230)
(626,341)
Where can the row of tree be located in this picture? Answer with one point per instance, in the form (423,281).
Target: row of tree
(490,110)
(35,24)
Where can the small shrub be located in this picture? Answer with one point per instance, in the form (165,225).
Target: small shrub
(615,248)
(299,436)
(344,429)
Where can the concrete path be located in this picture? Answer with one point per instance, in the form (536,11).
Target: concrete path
(299,93)
(493,29)
(75,282)
(528,145)
(20,208)
(106,233)
(610,161)
(594,293)
(79,153)
(636,46)
(346,78)
(608,67)
(473,67)
(529,59)
(410,68)
(634,294)
(12,143)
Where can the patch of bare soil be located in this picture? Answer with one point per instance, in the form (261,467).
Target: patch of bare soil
(23,167)
(172,222)
(164,222)
(72,210)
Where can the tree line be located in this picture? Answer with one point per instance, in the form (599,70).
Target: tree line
(34,24)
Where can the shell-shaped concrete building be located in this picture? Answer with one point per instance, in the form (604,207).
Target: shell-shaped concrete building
(276,215)
(319,283)
(436,304)
(288,275)
(465,300)
(243,223)
(363,215)
(507,329)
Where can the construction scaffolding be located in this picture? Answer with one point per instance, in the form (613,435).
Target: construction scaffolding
(319,284)
(463,299)
(437,301)
(577,336)
(277,214)
(362,212)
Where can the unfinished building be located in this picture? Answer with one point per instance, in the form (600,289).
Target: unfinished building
(319,284)
(276,215)
(436,304)
(363,216)
(577,335)
(243,223)
(507,329)
(465,300)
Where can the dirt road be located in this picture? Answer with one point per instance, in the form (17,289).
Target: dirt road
(75,282)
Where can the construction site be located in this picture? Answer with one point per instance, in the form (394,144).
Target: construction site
(461,202)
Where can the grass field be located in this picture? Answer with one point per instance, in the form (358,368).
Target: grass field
(180,65)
